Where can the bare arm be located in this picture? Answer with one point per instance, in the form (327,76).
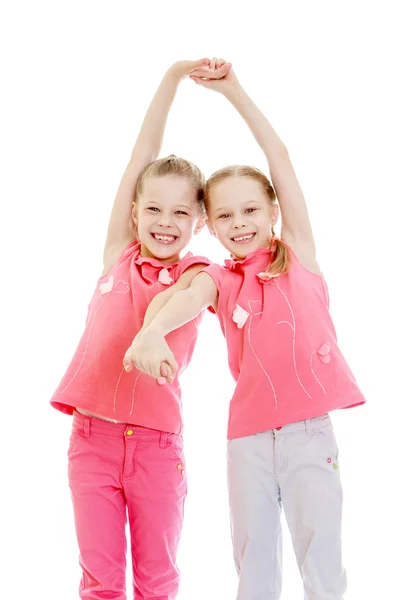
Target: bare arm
(149,350)
(186,304)
(296,226)
(163,297)
(145,151)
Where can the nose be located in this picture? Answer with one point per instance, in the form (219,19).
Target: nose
(239,222)
(164,220)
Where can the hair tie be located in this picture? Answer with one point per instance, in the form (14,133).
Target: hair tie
(272,245)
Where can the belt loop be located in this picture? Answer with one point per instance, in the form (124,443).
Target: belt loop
(163,439)
(86,427)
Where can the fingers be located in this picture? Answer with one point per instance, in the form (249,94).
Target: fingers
(222,71)
(160,363)
(171,367)
(205,73)
(128,362)
(200,63)
(166,373)
(211,69)
(208,73)
(200,81)
(217,63)
(165,369)
(192,65)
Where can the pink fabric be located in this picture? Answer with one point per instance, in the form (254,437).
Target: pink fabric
(95,380)
(282,346)
(118,470)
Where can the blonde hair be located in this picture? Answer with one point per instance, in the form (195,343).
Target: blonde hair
(280,263)
(172,165)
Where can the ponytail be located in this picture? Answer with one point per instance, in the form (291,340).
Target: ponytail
(280,263)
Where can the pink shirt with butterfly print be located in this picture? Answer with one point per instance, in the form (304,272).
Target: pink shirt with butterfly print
(282,346)
(95,380)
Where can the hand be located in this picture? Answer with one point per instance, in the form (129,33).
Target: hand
(184,68)
(199,68)
(167,375)
(151,354)
(218,76)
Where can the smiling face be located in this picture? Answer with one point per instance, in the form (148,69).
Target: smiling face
(240,215)
(166,215)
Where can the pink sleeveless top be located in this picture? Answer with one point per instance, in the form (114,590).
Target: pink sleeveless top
(282,346)
(95,380)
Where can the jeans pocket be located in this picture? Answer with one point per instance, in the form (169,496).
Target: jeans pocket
(176,447)
(327,442)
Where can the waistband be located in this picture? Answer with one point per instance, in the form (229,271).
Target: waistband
(91,425)
(310,426)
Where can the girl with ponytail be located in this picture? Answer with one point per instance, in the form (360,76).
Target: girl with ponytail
(272,303)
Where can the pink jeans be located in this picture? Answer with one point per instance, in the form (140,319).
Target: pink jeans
(117,470)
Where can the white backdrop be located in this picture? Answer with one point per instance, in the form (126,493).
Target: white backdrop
(77,78)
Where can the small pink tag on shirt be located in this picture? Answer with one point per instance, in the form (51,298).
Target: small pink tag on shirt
(240,316)
(164,277)
(107,286)
(266,276)
(325,353)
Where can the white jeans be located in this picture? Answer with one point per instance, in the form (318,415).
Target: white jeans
(295,468)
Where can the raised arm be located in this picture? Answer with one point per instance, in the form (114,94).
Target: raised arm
(296,226)
(145,151)
(149,349)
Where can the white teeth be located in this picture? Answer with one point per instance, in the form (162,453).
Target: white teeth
(164,238)
(243,237)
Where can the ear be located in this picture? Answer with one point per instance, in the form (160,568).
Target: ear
(275,214)
(134,213)
(211,229)
(200,224)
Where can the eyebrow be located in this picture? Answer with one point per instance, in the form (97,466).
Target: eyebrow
(176,206)
(185,206)
(221,210)
(228,208)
